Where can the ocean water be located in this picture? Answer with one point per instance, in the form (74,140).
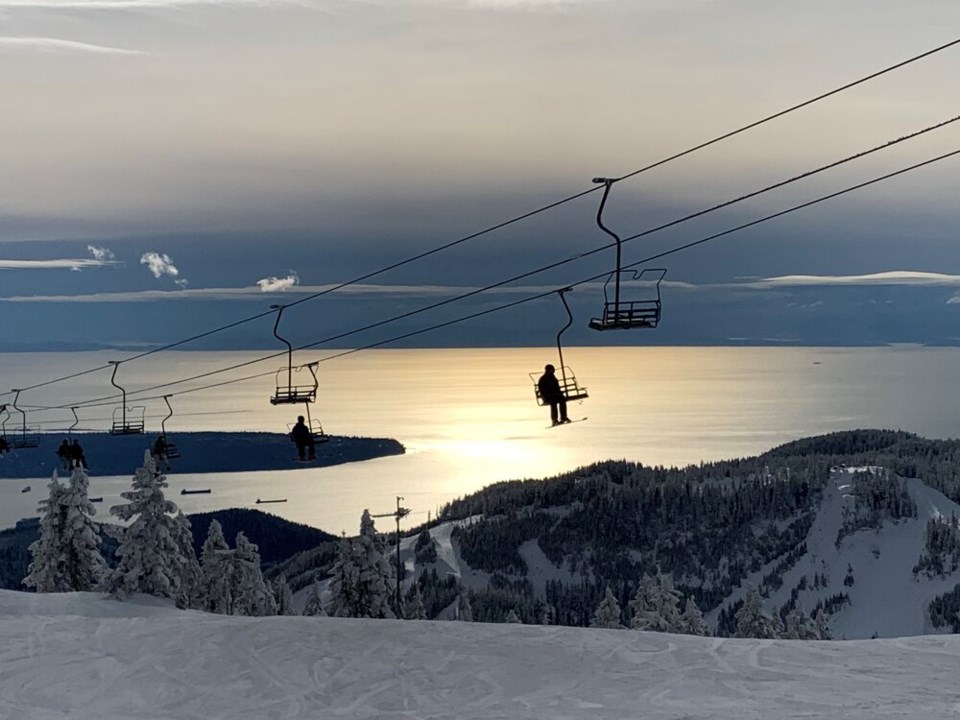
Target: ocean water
(468,417)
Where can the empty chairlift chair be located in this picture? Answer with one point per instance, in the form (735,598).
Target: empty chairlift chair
(569,387)
(169,449)
(287,392)
(26,439)
(126,420)
(620,314)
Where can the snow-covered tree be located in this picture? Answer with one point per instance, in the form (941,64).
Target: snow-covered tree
(362,576)
(283,596)
(151,558)
(413,608)
(753,622)
(692,622)
(655,606)
(191,594)
(512,617)
(250,593)
(464,608)
(67,555)
(216,571)
(607,614)
(314,606)
(822,626)
(799,626)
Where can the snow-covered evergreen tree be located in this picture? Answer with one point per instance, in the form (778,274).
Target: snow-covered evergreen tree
(283,596)
(190,594)
(413,608)
(607,614)
(314,606)
(512,617)
(822,626)
(216,571)
(362,576)
(799,626)
(151,558)
(753,622)
(464,608)
(692,621)
(47,572)
(655,606)
(67,555)
(250,593)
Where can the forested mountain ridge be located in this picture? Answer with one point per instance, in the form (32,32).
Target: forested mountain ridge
(789,522)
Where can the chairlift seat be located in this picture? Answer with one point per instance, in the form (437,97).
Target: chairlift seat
(25,442)
(294,395)
(568,386)
(628,315)
(124,424)
(171,451)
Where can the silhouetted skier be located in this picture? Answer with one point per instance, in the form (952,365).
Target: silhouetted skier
(551,394)
(4,446)
(303,437)
(76,454)
(159,452)
(65,453)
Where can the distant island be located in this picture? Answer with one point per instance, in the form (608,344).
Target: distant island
(201,452)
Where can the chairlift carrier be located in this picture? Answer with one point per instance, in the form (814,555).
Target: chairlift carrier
(124,425)
(316,429)
(76,421)
(170,450)
(290,394)
(25,441)
(625,314)
(568,382)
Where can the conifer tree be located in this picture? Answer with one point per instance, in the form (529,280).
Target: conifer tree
(47,573)
(283,596)
(314,606)
(692,621)
(464,608)
(190,594)
(216,570)
(607,614)
(654,606)
(250,593)
(151,559)
(413,608)
(799,626)
(822,626)
(362,576)
(752,621)
(512,616)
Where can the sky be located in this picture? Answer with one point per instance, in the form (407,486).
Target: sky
(172,165)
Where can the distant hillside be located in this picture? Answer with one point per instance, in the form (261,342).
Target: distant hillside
(857,524)
(276,538)
(201,452)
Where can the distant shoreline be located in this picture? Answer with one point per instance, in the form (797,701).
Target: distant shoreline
(201,452)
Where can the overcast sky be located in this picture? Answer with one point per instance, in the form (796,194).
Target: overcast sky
(168,165)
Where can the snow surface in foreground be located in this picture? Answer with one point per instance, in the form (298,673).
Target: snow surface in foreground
(89,656)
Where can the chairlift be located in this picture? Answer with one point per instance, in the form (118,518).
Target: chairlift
(130,420)
(169,449)
(4,443)
(626,314)
(568,382)
(25,440)
(316,429)
(287,393)
(76,421)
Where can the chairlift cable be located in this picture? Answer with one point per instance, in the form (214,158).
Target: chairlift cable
(545,294)
(515,219)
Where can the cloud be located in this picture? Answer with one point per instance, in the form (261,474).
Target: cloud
(273,284)
(127,5)
(955,300)
(100,253)
(58,264)
(159,264)
(57,45)
(895,277)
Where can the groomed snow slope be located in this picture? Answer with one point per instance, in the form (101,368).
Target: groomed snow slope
(89,656)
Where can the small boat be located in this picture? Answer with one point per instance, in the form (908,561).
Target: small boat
(205,491)
(26,489)
(96,499)
(261,502)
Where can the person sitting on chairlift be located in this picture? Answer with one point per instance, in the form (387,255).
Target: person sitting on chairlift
(76,454)
(303,438)
(65,453)
(551,393)
(159,452)
(4,446)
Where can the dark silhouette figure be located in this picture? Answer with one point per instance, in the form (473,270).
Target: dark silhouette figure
(4,446)
(76,454)
(159,452)
(65,453)
(303,438)
(551,394)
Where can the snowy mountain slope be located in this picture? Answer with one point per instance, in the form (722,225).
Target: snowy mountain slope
(89,656)
(885,598)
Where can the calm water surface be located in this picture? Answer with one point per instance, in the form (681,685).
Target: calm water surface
(468,416)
